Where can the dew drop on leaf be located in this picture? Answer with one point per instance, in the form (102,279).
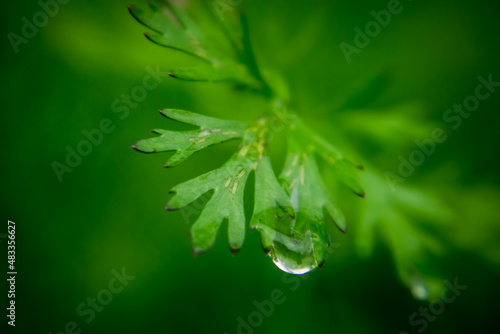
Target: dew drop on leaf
(419,289)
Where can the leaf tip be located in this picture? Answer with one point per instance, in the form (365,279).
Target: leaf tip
(148,37)
(359,192)
(172,163)
(163,112)
(136,148)
(131,9)
(169,208)
(197,252)
(266,249)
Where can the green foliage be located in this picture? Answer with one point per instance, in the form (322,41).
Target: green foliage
(107,214)
(227,182)
(391,214)
(272,207)
(219,46)
(292,212)
(287,213)
(307,140)
(211,131)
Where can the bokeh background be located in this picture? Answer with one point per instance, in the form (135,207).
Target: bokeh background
(108,213)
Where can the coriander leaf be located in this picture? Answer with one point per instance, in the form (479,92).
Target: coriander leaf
(175,27)
(391,214)
(172,27)
(213,73)
(341,164)
(299,243)
(227,184)
(272,205)
(211,131)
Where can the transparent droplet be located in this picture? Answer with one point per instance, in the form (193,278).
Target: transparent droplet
(419,289)
(293,256)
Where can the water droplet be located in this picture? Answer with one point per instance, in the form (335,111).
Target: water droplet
(293,256)
(419,289)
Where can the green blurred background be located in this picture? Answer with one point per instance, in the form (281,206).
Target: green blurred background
(108,213)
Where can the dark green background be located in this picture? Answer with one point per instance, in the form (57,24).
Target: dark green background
(107,214)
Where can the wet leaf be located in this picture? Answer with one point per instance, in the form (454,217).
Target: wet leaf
(310,198)
(226,203)
(211,131)
(272,208)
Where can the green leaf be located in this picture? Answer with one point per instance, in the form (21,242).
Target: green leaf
(272,206)
(341,164)
(175,28)
(183,44)
(289,215)
(310,199)
(211,131)
(233,72)
(227,184)
(386,129)
(391,214)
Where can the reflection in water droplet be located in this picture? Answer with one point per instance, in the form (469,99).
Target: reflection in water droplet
(293,256)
